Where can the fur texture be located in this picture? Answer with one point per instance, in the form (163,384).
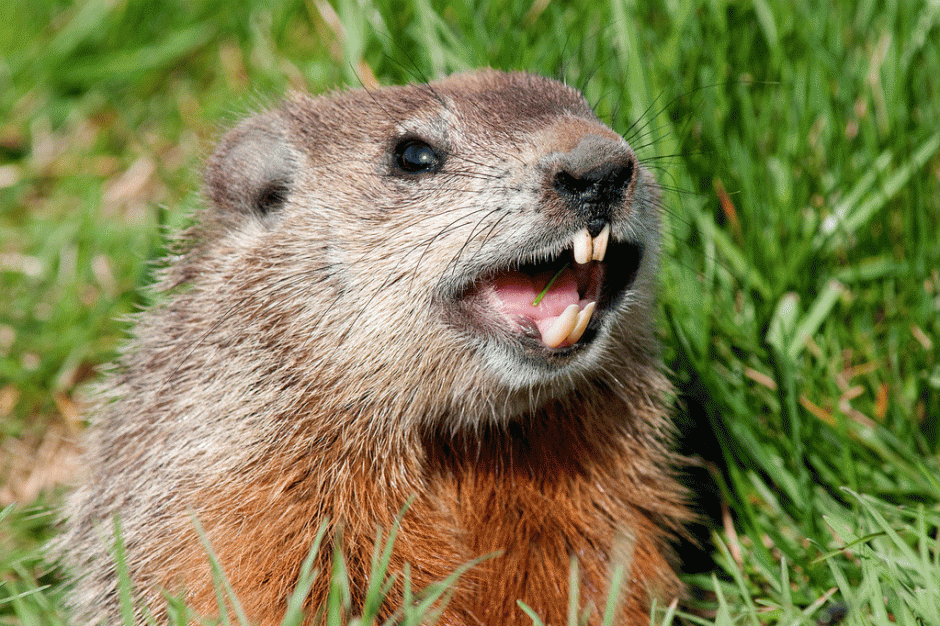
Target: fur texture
(323,352)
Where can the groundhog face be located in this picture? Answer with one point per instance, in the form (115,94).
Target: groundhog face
(487,223)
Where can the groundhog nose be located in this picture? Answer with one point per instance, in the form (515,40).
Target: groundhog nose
(592,177)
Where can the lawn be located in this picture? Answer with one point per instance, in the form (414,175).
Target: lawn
(798,145)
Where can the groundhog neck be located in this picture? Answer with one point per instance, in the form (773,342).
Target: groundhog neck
(561,481)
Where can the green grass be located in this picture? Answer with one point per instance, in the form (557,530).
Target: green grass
(798,146)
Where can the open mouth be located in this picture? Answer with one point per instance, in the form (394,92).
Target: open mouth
(561,302)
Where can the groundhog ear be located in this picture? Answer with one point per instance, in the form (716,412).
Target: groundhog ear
(251,171)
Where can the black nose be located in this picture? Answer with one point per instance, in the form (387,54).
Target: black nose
(591,179)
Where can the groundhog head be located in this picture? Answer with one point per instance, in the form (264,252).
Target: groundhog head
(484,237)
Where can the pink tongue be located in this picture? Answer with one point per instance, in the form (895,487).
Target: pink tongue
(517,291)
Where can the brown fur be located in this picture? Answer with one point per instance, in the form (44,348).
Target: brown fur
(307,366)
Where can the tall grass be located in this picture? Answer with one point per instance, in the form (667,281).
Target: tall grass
(798,147)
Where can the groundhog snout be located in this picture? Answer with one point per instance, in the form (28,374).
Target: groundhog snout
(592,179)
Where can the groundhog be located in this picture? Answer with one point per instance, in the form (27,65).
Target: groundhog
(436,299)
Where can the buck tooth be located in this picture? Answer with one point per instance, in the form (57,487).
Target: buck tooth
(582,246)
(561,328)
(584,318)
(600,244)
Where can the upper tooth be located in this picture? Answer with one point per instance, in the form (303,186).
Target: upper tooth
(583,246)
(599,244)
(587,248)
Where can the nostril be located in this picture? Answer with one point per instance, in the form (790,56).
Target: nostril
(625,173)
(569,185)
(602,185)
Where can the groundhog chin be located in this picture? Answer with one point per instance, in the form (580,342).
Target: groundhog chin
(534,321)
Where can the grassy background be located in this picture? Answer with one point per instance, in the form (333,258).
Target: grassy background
(799,147)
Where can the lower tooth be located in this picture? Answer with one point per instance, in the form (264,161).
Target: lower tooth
(581,324)
(562,327)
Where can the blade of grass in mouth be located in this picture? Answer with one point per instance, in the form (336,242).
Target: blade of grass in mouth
(549,285)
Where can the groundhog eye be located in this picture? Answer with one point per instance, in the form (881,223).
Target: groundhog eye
(416,156)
